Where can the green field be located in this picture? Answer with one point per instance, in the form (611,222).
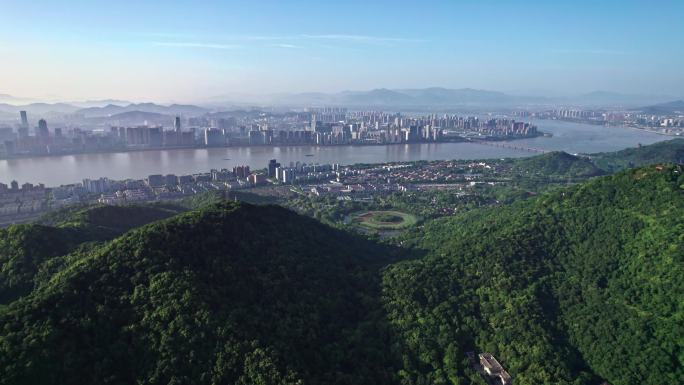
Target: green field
(384,220)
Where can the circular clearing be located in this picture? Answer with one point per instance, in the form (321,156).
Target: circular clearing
(384,220)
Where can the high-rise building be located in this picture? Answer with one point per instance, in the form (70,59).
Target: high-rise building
(285,174)
(272,166)
(137,136)
(313,122)
(155,136)
(257,179)
(171,180)
(214,137)
(177,124)
(24,119)
(156,180)
(96,186)
(43,132)
(6,133)
(241,171)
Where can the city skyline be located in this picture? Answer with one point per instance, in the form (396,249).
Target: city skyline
(202,51)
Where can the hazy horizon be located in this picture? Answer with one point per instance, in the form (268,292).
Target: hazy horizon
(195,51)
(271,97)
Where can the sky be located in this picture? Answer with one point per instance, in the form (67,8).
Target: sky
(202,50)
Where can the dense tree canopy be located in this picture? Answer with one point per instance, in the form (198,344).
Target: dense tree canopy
(227,294)
(557,164)
(571,287)
(669,151)
(575,286)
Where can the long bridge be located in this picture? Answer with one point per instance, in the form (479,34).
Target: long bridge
(510,146)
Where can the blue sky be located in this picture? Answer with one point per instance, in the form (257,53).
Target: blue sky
(193,50)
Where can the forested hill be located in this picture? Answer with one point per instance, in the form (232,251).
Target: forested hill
(555,164)
(229,294)
(670,151)
(104,221)
(561,164)
(576,287)
(30,253)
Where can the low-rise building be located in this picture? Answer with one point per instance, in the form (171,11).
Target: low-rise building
(493,368)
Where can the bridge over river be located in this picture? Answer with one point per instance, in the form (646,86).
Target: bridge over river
(511,146)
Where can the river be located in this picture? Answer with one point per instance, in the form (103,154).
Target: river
(56,170)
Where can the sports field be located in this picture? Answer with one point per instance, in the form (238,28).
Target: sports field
(384,220)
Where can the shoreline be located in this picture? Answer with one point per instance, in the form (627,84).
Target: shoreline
(594,123)
(130,150)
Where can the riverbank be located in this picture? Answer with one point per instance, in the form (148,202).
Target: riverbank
(454,139)
(607,124)
(57,170)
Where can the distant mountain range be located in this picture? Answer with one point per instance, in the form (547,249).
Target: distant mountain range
(39,108)
(100,103)
(173,109)
(673,107)
(111,111)
(6,98)
(434,98)
(440,98)
(383,97)
(604,98)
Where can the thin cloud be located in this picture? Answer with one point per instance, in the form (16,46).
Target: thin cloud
(196,45)
(281,41)
(590,51)
(363,38)
(285,45)
(169,35)
(291,38)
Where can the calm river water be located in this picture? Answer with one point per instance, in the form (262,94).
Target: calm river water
(53,171)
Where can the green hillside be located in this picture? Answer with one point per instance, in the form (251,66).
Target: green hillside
(670,151)
(23,250)
(30,253)
(230,294)
(577,286)
(557,164)
(105,221)
(570,288)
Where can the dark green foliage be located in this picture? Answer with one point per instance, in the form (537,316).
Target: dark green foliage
(212,197)
(105,222)
(670,151)
(23,249)
(30,253)
(556,164)
(201,200)
(227,294)
(389,218)
(575,286)
(565,288)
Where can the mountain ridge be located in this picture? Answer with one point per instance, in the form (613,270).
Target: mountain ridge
(246,303)
(675,106)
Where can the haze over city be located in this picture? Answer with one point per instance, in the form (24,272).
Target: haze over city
(275,192)
(206,51)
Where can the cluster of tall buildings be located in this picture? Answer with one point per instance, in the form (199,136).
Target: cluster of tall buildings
(42,140)
(299,171)
(314,126)
(154,137)
(23,141)
(17,202)
(670,123)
